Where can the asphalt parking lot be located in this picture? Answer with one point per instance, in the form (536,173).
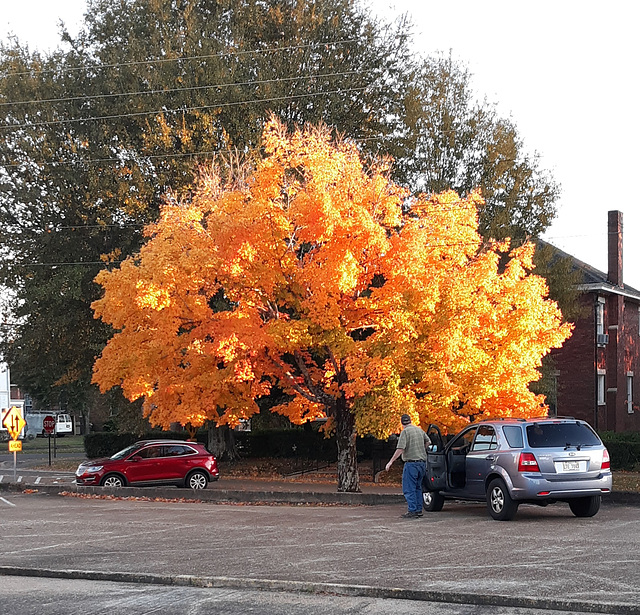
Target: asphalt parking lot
(546,558)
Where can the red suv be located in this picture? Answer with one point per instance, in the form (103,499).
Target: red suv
(152,462)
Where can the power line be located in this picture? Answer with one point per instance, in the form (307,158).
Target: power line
(181,110)
(89,263)
(185,89)
(147,157)
(78,227)
(181,58)
(144,158)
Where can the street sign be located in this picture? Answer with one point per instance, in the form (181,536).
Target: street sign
(49,423)
(15,446)
(13,422)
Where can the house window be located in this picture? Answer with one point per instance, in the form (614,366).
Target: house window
(630,392)
(600,316)
(601,388)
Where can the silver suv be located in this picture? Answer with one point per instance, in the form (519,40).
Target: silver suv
(510,462)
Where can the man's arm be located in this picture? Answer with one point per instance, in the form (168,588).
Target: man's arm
(396,454)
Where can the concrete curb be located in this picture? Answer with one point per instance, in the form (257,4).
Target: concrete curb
(337,589)
(214,495)
(226,496)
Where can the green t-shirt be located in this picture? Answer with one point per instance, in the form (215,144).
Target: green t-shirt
(414,442)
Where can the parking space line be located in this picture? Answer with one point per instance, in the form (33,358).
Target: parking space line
(37,481)
(7,502)
(19,479)
(1,477)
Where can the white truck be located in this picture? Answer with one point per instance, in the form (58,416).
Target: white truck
(34,428)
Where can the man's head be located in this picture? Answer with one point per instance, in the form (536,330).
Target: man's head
(405,419)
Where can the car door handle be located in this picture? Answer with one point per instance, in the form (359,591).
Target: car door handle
(490,458)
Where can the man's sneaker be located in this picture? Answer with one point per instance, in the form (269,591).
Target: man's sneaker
(411,515)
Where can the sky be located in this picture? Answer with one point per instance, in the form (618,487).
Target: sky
(564,71)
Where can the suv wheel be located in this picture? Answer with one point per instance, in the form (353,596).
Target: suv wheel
(499,503)
(585,507)
(432,501)
(197,480)
(112,480)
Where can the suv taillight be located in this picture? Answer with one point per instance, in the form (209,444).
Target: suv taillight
(606,464)
(528,463)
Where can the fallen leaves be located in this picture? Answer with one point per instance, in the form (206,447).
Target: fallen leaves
(131,498)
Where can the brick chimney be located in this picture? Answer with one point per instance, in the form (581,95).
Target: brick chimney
(615,248)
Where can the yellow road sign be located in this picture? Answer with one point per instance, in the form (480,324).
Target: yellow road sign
(13,422)
(15,446)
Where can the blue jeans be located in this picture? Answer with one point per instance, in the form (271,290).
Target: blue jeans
(412,476)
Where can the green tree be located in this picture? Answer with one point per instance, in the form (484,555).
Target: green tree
(93,136)
(453,141)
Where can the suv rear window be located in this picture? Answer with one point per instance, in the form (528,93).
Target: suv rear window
(543,435)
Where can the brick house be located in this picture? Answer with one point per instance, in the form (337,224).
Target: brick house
(598,368)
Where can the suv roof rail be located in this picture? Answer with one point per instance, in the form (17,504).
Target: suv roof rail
(520,419)
(506,418)
(552,418)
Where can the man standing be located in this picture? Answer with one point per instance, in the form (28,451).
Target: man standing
(412,445)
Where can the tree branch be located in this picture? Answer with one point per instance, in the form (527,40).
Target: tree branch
(309,395)
(326,399)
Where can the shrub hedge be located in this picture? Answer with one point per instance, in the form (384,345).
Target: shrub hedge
(304,443)
(624,449)
(106,443)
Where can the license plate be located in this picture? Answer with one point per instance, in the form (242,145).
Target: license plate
(570,466)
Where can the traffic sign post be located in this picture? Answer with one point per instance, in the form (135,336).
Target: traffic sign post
(49,424)
(49,427)
(14,423)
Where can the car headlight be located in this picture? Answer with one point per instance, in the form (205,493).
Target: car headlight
(89,469)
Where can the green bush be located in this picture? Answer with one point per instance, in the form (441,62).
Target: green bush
(296,442)
(624,449)
(287,443)
(106,443)
(301,442)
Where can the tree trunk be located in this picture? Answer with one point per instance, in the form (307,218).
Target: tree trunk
(348,478)
(220,442)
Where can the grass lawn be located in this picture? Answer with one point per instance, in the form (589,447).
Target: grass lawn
(66,444)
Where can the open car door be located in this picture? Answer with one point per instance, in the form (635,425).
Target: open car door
(436,476)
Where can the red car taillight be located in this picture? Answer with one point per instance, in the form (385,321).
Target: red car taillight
(606,464)
(528,463)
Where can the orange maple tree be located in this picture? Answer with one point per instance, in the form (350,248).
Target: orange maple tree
(317,274)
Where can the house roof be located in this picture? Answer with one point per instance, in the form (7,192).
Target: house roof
(594,280)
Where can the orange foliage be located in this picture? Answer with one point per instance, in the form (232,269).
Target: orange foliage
(310,275)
